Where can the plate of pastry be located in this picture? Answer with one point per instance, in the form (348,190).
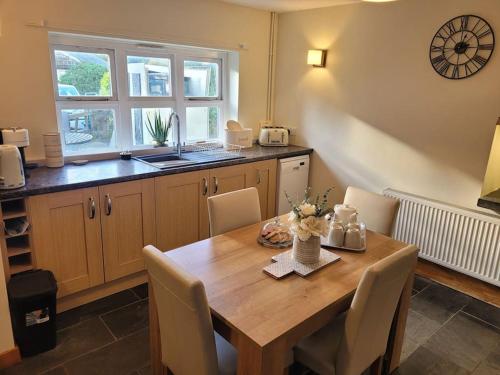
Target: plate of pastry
(275,234)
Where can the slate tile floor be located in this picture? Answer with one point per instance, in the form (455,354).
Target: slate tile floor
(447,333)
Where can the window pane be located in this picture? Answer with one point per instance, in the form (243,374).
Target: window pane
(202,123)
(149,76)
(140,117)
(83,73)
(88,130)
(201,79)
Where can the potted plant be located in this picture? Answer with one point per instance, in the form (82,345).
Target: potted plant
(308,224)
(158,129)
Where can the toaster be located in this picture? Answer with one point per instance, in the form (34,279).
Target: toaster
(273,136)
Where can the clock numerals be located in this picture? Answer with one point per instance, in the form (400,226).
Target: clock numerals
(464,22)
(456,72)
(485,47)
(437,49)
(480,60)
(436,60)
(484,33)
(450,28)
(468,70)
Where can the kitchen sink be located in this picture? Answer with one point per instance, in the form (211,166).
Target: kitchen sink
(166,161)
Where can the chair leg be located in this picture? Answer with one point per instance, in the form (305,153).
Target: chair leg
(376,367)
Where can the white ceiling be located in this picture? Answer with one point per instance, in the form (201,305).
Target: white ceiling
(289,5)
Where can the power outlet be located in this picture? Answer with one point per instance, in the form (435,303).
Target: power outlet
(292,131)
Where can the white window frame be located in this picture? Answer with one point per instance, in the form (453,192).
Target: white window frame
(123,103)
(112,72)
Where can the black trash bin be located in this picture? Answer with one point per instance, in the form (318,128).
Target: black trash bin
(32,298)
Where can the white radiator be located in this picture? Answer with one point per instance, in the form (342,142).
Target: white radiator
(461,239)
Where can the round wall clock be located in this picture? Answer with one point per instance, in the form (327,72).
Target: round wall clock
(462,47)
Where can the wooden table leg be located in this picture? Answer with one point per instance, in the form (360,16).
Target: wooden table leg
(396,337)
(256,360)
(157,367)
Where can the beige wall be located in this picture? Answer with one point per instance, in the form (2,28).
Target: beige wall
(379,116)
(25,80)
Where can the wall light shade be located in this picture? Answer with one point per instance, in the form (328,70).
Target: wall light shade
(316,57)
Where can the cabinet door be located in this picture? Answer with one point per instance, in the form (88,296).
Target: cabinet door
(181,209)
(128,224)
(262,175)
(67,238)
(226,179)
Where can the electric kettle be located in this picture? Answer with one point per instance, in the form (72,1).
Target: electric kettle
(11,168)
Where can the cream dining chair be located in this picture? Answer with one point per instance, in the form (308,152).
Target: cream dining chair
(233,210)
(358,338)
(189,344)
(378,212)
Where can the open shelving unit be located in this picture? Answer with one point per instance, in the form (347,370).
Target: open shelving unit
(17,253)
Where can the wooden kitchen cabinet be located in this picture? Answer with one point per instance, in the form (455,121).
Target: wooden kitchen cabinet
(226,179)
(89,237)
(66,233)
(262,175)
(128,224)
(181,209)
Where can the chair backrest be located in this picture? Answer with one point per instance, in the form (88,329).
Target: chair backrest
(368,320)
(233,210)
(186,331)
(378,212)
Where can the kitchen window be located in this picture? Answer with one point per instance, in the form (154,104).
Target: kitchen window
(108,90)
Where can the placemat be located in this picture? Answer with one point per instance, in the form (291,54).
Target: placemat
(284,264)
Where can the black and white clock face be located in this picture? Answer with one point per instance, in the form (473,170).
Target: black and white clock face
(462,47)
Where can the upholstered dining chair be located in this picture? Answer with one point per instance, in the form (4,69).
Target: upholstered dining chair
(233,210)
(378,212)
(189,344)
(357,339)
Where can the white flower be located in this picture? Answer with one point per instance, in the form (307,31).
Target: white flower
(292,216)
(310,226)
(307,209)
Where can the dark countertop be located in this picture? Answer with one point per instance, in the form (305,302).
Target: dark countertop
(47,180)
(491,201)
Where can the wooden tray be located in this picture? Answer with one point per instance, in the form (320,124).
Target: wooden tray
(325,243)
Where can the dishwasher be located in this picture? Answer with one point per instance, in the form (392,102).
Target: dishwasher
(293,178)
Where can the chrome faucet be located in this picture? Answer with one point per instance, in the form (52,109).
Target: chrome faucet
(178,132)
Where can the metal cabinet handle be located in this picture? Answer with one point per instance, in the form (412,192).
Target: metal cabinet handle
(258,177)
(216,185)
(91,208)
(108,205)
(205,186)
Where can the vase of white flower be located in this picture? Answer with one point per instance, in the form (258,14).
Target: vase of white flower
(306,252)
(307,223)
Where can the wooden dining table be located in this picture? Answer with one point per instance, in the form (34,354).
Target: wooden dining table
(263,318)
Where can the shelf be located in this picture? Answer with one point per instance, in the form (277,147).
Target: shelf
(13,208)
(7,236)
(18,268)
(14,251)
(14,214)
(20,263)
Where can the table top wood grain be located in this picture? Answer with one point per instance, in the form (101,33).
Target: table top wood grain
(261,308)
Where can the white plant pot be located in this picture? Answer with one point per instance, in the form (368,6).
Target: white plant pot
(306,252)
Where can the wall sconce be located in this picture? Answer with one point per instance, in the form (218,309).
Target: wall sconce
(316,58)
